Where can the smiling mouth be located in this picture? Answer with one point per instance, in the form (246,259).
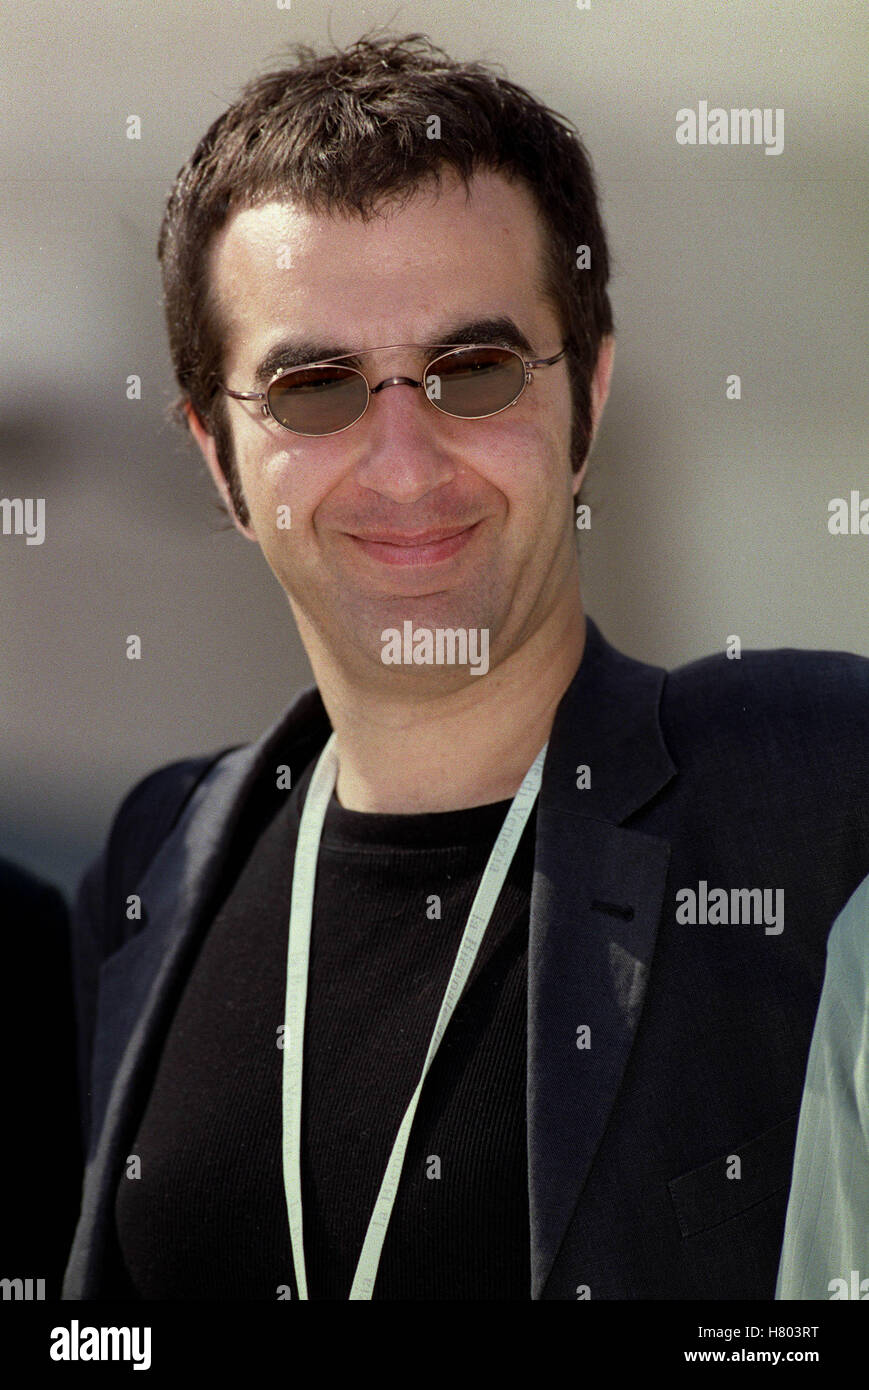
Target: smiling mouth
(417,538)
(424,548)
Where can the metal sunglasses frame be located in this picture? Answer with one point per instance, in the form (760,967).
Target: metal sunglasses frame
(443,350)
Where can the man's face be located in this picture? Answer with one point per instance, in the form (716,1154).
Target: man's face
(283,274)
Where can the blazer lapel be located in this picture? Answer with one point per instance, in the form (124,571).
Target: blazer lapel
(595,905)
(137,981)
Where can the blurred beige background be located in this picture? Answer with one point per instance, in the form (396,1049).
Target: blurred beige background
(710,516)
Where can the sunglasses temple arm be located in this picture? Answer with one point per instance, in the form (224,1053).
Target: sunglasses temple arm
(245,395)
(546,361)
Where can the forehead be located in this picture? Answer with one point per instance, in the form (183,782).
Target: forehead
(445,255)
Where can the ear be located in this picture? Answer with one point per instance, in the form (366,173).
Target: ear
(600,389)
(600,382)
(208,450)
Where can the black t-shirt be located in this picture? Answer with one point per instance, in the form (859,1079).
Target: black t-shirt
(207,1217)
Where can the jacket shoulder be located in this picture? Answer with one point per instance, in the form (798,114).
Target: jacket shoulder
(782,695)
(22,890)
(775,746)
(153,805)
(146,815)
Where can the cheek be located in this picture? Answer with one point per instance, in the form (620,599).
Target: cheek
(281,492)
(529,464)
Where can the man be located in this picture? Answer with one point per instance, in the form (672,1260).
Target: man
(826,1246)
(42,1162)
(429,993)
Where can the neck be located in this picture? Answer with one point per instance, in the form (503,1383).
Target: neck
(449,751)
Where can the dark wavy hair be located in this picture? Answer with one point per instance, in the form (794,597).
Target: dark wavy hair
(346,132)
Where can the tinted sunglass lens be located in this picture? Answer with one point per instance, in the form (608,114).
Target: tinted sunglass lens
(318,400)
(474,382)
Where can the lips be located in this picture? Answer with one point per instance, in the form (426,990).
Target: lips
(418,538)
(419,548)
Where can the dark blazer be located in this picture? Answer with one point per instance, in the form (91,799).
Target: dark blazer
(41,1158)
(660,1155)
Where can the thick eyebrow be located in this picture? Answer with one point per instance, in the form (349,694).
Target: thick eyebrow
(298,352)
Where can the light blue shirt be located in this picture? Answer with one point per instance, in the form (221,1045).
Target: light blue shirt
(826,1244)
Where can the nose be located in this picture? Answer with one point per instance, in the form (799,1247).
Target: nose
(401,453)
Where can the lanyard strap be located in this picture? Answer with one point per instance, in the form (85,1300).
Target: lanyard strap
(301,908)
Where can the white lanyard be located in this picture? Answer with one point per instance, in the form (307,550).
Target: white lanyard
(304,872)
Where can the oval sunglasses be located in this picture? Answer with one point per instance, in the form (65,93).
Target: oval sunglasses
(469,381)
